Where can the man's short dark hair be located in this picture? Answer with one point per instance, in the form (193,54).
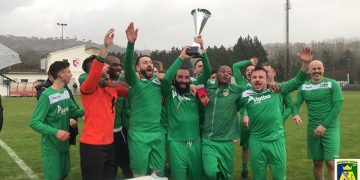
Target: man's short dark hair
(259,68)
(87,62)
(138,59)
(56,67)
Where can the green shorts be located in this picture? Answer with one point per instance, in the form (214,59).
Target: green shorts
(147,156)
(185,160)
(56,165)
(326,147)
(264,153)
(218,159)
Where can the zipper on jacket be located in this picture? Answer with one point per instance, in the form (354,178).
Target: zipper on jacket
(212,120)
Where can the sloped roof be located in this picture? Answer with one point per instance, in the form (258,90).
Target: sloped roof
(8,57)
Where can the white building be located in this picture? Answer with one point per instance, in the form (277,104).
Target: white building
(75,56)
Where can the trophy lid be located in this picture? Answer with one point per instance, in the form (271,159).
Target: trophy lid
(200,17)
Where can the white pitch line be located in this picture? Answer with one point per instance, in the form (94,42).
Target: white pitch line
(18,161)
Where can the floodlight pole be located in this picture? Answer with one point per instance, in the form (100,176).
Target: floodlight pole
(62,33)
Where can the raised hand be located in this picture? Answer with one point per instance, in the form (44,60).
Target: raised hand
(109,38)
(131,33)
(183,54)
(306,55)
(254,61)
(199,40)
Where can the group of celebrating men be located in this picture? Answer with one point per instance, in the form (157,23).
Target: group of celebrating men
(191,122)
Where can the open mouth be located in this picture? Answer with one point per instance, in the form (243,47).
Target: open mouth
(149,69)
(258,85)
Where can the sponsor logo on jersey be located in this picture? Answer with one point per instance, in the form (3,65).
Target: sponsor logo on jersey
(259,99)
(347,169)
(323,85)
(181,98)
(62,111)
(54,98)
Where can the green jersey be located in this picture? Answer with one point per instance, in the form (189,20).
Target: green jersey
(182,110)
(183,115)
(145,102)
(52,113)
(265,112)
(220,114)
(320,99)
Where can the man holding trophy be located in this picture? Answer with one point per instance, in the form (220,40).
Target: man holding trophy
(220,114)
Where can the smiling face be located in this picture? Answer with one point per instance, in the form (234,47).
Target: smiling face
(115,66)
(224,75)
(182,80)
(316,71)
(259,80)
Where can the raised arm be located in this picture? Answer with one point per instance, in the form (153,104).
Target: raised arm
(205,75)
(91,82)
(306,56)
(296,107)
(130,74)
(236,67)
(171,72)
(288,104)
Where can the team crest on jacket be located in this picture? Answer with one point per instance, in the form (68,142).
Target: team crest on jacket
(226,92)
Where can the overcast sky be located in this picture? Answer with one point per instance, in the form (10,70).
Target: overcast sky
(166,23)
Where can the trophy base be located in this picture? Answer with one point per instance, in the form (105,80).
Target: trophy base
(194,51)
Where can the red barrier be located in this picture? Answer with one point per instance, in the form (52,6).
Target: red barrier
(23,88)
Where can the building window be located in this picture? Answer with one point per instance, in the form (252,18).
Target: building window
(24,80)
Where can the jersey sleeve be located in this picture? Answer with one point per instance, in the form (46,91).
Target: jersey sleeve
(75,110)
(337,100)
(122,91)
(298,102)
(293,83)
(203,78)
(39,115)
(288,104)
(171,72)
(90,84)
(236,68)
(130,74)
(336,92)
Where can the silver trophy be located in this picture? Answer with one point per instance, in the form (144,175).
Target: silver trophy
(200,17)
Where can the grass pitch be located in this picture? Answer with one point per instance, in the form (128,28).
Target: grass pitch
(25,142)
